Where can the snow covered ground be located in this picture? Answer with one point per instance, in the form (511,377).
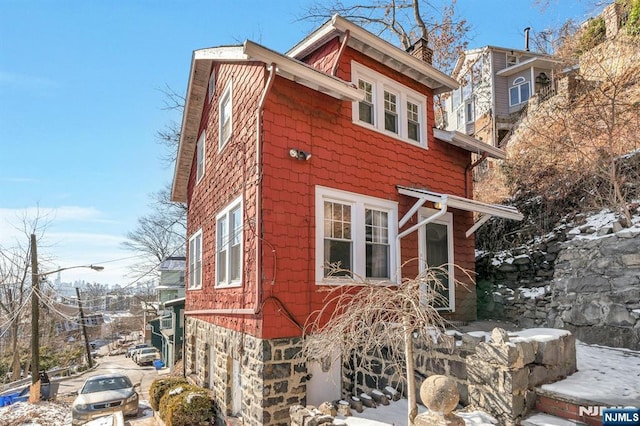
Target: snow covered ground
(608,375)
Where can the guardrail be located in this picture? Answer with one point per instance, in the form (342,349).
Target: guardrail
(54,373)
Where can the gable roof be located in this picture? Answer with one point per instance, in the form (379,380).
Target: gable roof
(378,49)
(201,61)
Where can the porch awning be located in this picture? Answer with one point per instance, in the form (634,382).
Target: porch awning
(485,210)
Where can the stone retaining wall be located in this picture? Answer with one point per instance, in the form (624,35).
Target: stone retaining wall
(498,374)
(585,281)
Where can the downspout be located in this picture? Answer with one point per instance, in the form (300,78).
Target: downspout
(467,172)
(345,40)
(258,227)
(423,222)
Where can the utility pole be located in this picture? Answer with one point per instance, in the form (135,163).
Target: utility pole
(35,316)
(84,330)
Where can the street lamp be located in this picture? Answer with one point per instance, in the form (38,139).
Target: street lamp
(35,315)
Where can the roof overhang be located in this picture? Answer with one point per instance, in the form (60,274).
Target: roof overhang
(485,211)
(469,143)
(201,61)
(378,49)
(174,302)
(545,63)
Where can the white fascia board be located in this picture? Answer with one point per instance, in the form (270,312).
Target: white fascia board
(339,25)
(303,74)
(393,52)
(222,53)
(462,203)
(468,143)
(529,63)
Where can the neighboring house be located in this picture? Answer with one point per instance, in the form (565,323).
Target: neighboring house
(495,86)
(171,331)
(290,161)
(171,286)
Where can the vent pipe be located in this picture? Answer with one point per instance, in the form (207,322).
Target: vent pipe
(526,38)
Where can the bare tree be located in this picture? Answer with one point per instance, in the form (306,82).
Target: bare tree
(403,22)
(160,234)
(379,320)
(169,137)
(575,143)
(15,284)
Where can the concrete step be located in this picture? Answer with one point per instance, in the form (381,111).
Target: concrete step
(543,419)
(569,408)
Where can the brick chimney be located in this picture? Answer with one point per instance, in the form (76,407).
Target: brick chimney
(421,50)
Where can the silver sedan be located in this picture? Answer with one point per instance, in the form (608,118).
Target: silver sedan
(104,394)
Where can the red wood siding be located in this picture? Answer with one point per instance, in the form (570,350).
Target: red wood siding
(345,156)
(228,175)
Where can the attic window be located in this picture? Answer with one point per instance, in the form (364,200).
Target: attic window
(512,60)
(212,85)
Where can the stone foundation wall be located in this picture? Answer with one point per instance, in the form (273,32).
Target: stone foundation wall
(270,379)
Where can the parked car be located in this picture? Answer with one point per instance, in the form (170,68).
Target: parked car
(104,394)
(146,356)
(134,347)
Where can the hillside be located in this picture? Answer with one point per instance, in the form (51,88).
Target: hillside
(573,170)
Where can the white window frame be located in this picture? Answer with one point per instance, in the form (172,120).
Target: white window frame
(359,203)
(211,89)
(511,59)
(227,96)
(195,272)
(381,84)
(469,113)
(518,84)
(446,219)
(200,157)
(226,215)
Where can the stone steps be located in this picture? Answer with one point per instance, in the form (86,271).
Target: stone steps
(567,407)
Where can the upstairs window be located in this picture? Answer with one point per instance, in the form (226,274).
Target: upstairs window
(413,121)
(512,59)
(200,150)
(366,106)
(519,92)
(469,113)
(389,107)
(195,261)
(226,119)
(229,238)
(355,231)
(390,112)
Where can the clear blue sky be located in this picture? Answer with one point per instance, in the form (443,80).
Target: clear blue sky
(80,103)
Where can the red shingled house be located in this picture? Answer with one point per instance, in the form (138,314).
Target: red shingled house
(288,161)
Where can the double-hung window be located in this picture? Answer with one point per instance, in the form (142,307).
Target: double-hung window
(195,261)
(225,109)
(365,106)
(200,151)
(355,236)
(229,231)
(519,91)
(389,107)
(390,112)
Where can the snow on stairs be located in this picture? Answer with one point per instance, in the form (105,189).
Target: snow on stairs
(555,409)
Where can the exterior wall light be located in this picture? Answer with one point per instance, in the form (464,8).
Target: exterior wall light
(299,154)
